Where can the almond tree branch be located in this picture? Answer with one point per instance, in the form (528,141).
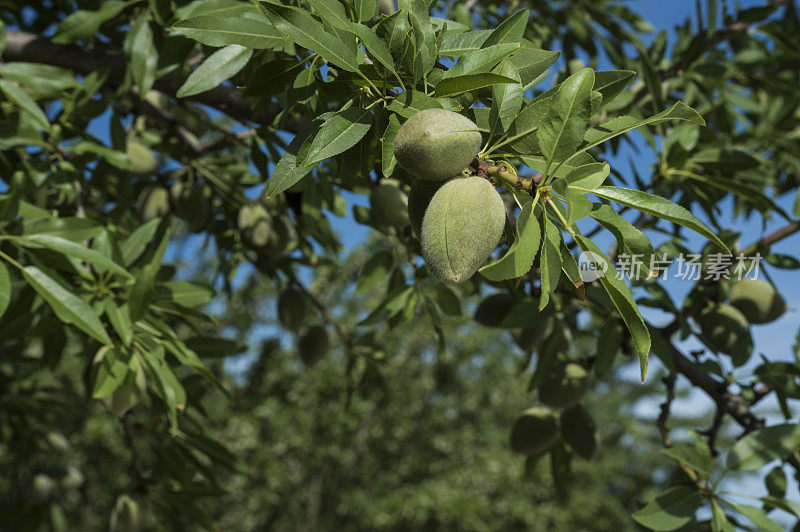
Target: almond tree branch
(32,48)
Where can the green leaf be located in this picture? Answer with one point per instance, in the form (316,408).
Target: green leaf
(374,45)
(609,83)
(338,134)
(623,300)
(112,368)
(143,54)
(215,347)
(457,44)
(39,81)
(469,82)
(758,517)
(762,446)
(26,103)
(388,160)
(170,387)
(220,66)
(506,99)
(608,345)
(657,206)
(622,124)
(67,306)
(5,289)
(251,30)
(365,10)
(628,237)
(69,228)
(411,102)
(521,136)
(520,255)
(184,293)
(72,249)
(689,456)
(550,259)
(786,505)
(332,12)
(287,172)
(375,271)
(563,125)
(510,30)
(301,28)
(532,62)
(589,176)
(480,61)
(83,24)
(719,521)
(670,510)
(137,242)
(120,320)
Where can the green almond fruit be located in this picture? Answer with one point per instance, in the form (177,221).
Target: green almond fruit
(127,516)
(462,226)
(42,488)
(389,204)
(153,203)
(422,192)
(255,226)
(72,479)
(758,301)
(565,386)
(580,431)
(493,310)
(292,309)
(191,204)
(726,330)
(436,144)
(534,432)
(143,162)
(313,345)
(279,239)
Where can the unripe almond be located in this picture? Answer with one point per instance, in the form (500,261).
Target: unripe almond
(462,225)
(292,308)
(535,431)
(726,330)
(579,431)
(436,144)
(758,301)
(255,225)
(493,310)
(565,385)
(153,203)
(313,345)
(143,162)
(389,204)
(191,204)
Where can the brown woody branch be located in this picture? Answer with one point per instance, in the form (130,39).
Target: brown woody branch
(28,47)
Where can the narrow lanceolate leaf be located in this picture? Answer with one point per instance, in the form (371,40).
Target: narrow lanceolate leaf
(623,124)
(550,260)
(506,99)
(763,446)
(375,45)
(482,60)
(67,306)
(375,271)
(365,10)
(221,65)
(72,249)
(469,82)
(112,368)
(660,207)
(332,12)
(252,30)
(303,29)
(629,238)
(623,300)
(457,44)
(5,289)
(83,23)
(27,104)
(120,320)
(532,62)
(287,172)
(388,160)
(339,133)
(143,53)
(609,83)
(670,510)
(564,123)
(758,517)
(519,258)
(589,176)
(510,30)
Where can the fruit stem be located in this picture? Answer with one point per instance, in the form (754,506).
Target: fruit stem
(501,173)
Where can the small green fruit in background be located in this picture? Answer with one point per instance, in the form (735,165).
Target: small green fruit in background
(279,239)
(389,204)
(579,431)
(153,203)
(531,337)
(758,301)
(143,162)
(42,488)
(422,191)
(255,226)
(191,204)
(726,330)
(493,310)
(565,385)
(292,309)
(313,345)
(436,144)
(535,431)
(72,479)
(128,394)
(386,7)
(127,516)
(58,442)
(462,226)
